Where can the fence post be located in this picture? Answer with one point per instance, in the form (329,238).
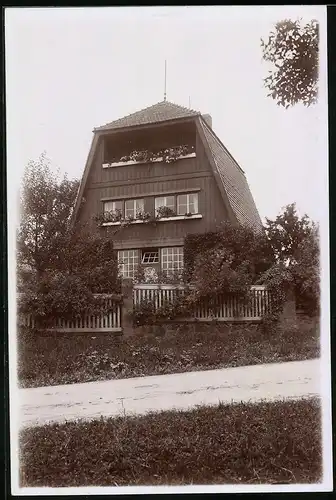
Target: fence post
(289,309)
(127,307)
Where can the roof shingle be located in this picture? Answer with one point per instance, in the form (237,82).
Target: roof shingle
(160,112)
(234,182)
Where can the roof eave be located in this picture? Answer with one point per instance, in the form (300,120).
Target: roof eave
(112,130)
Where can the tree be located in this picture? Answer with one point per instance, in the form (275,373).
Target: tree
(46,205)
(293,50)
(286,233)
(61,268)
(306,273)
(295,243)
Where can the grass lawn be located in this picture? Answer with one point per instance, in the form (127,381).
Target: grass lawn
(53,359)
(273,443)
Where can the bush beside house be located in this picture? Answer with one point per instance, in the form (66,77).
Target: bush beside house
(61,269)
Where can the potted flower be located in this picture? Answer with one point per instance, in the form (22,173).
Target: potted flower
(165,212)
(124,158)
(141,156)
(116,215)
(143,215)
(127,220)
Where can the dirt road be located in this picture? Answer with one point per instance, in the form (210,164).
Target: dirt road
(38,406)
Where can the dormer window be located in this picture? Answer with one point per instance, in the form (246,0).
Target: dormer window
(187,204)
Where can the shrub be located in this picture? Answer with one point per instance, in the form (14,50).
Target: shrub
(242,244)
(85,266)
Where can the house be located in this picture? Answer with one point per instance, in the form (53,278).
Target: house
(156,175)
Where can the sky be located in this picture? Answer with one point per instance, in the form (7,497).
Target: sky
(69,70)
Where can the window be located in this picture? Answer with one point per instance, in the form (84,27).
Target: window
(133,207)
(128,261)
(113,206)
(187,204)
(172,259)
(150,256)
(165,201)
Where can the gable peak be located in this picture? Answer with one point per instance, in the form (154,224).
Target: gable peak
(156,113)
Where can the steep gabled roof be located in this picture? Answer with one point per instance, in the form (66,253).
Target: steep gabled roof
(233,180)
(160,112)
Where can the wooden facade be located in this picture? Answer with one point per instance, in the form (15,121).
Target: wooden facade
(150,180)
(108,179)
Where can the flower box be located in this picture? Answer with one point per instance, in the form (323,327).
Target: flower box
(161,219)
(132,162)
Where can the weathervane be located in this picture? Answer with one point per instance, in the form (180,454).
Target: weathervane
(165,82)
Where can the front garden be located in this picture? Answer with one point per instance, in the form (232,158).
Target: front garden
(52,359)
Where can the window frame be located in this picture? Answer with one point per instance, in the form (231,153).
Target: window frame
(135,210)
(131,267)
(145,251)
(187,204)
(114,210)
(165,259)
(157,206)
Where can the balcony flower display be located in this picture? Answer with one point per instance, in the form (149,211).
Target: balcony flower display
(172,154)
(167,155)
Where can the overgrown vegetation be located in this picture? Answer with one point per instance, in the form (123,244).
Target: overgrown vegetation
(60,268)
(52,359)
(239,245)
(225,263)
(295,244)
(265,443)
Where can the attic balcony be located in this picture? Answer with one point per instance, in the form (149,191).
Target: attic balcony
(159,143)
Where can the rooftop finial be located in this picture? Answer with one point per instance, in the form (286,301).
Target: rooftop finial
(165,82)
(189,103)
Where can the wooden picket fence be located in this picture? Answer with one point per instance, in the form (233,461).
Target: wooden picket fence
(109,323)
(224,309)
